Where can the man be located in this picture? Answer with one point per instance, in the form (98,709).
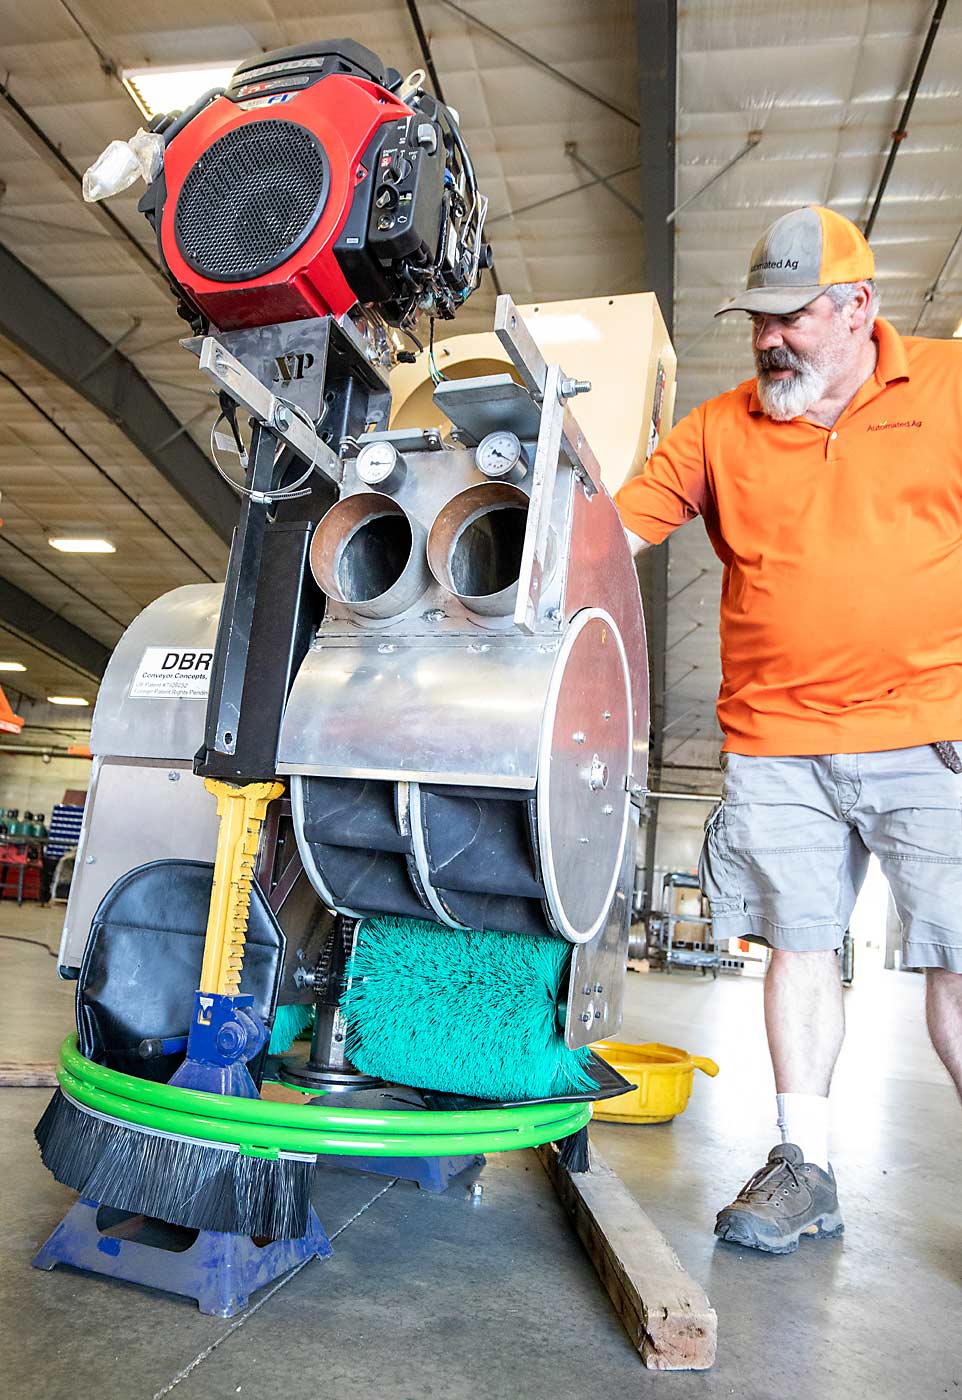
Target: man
(831,489)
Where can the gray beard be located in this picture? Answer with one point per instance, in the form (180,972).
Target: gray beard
(784,399)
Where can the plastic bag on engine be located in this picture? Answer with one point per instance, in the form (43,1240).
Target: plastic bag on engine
(117,167)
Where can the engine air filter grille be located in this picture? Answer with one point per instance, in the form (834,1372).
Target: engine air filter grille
(251,200)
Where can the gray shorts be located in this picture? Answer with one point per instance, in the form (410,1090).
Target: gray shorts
(787,848)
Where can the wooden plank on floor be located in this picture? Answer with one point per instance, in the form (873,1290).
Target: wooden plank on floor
(27,1076)
(666,1313)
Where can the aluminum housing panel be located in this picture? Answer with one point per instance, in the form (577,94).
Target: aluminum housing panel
(596,985)
(444,711)
(135,812)
(601,574)
(167,727)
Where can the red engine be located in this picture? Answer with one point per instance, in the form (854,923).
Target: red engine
(311,185)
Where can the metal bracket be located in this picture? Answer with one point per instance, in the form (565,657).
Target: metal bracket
(406,439)
(510,328)
(578,450)
(533,557)
(513,333)
(227,372)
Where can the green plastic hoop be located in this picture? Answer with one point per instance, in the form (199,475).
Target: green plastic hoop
(261,1128)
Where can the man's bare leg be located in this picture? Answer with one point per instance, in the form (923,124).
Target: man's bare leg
(943,1014)
(805,1020)
(794,1194)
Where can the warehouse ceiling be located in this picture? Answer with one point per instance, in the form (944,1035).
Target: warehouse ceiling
(65,467)
(804,96)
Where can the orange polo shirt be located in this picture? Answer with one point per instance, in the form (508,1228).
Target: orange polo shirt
(841,607)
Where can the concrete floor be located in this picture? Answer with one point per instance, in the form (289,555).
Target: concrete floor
(435,1297)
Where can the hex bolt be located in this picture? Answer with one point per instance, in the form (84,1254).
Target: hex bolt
(570,387)
(586,989)
(606,714)
(597,1015)
(282,418)
(586,1016)
(599,988)
(173,777)
(607,809)
(579,736)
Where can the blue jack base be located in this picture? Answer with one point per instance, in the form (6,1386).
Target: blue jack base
(218,1271)
(430,1173)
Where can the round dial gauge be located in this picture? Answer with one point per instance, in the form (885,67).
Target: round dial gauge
(501,455)
(376,461)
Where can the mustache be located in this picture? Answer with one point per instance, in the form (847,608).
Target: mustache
(778,358)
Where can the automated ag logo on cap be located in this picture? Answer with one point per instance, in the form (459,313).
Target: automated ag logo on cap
(774,265)
(172,673)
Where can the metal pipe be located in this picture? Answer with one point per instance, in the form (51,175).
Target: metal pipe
(541,63)
(562,194)
(48,418)
(753,139)
(930,295)
(571,149)
(901,131)
(425,47)
(684,796)
(70,587)
(38,751)
(59,161)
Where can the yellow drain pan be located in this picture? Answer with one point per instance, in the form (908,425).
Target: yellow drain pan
(662,1075)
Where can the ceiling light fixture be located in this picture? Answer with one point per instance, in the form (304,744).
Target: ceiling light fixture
(66,700)
(68,545)
(12,666)
(174,88)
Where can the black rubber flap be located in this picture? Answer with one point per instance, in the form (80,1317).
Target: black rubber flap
(143,960)
(608,1085)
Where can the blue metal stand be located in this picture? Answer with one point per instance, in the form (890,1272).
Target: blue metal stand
(430,1173)
(219,1271)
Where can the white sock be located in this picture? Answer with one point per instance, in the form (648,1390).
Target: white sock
(803,1120)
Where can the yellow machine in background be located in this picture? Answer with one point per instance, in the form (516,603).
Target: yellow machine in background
(619,343)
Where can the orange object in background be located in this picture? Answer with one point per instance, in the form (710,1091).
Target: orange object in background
(9,722)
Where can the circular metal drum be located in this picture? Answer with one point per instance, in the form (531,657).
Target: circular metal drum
(582,794)
(520,860)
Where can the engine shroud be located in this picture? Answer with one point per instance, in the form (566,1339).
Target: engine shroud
(257,197)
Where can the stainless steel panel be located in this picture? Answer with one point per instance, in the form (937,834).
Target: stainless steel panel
(483,405)
(583,796)
(167,727)
(601,573)
(135,812)
(449,711)
(598,969)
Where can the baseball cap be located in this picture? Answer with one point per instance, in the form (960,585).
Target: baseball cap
(797,257)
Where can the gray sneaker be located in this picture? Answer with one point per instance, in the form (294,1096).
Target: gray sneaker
(785,1199)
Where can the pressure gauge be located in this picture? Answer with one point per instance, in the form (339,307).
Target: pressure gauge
(501,456)
(380,464)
